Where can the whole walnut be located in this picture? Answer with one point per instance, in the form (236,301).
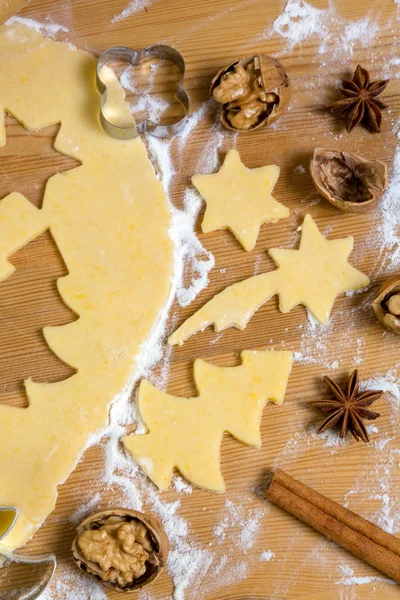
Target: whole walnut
(254,92)
(123,549)
(387,304)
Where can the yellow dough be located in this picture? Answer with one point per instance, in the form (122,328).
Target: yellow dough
(119,258)
(186,433)
(240,199)
(115,109)
(313,275)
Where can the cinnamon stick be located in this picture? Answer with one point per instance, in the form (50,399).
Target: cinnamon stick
(361,537)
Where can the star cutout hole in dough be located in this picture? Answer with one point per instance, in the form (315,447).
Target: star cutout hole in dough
(29,159)
(240,199)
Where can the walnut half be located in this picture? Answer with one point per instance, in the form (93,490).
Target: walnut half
(123,549)
(254,91)
(348,181)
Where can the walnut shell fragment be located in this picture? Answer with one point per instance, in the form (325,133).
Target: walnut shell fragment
(348,181)
(254,92)
(123,549)
(387,304)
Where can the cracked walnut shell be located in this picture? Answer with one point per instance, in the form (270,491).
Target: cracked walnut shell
(254,91)
(123,549)
(348,181)
(387,304)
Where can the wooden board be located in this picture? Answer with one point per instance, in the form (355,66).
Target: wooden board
(210,34)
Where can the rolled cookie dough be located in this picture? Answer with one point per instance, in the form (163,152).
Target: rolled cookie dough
(110,220)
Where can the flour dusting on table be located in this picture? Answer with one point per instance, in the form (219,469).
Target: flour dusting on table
(389,227)
(46,28)
(237,516)
(266,556)
(133,7)
(301,20)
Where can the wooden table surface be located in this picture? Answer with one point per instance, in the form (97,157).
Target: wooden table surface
(210,34)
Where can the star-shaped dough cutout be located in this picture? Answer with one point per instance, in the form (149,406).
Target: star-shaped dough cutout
(240,199)
(313,276)
(316,273)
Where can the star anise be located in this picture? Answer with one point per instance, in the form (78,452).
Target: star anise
(361,103)
(348,408)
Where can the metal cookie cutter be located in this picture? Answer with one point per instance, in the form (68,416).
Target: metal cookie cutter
(135,57)
(8,517)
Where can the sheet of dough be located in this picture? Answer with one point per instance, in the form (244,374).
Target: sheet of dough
(187,432)
(119,258)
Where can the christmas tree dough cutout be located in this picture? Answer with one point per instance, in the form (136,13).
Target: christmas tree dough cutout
(313,276)
(240,199)
(186,433)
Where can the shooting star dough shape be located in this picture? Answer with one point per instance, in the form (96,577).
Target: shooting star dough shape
(313,276)
(186,433)
(240,199)
(102,218)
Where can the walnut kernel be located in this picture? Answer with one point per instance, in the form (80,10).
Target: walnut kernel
(254,91)
(235,85)
(123,549)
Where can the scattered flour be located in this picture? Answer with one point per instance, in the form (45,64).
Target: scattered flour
(348,577)
(149,105)
(182,486)
(300,21)
(238,515)
(192,122)
(373,483)
(85,509)
(189,249)
(133,7)
(73,585)
(365,30)
(47,28)
(257,265)
(388,383)
(153,109)
(190,255)
(266,556)
(388,233)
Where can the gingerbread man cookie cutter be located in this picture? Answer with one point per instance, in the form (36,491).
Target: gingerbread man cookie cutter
(136,58)
(8,518)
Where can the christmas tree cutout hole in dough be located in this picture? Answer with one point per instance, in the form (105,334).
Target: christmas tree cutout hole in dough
(28,160)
